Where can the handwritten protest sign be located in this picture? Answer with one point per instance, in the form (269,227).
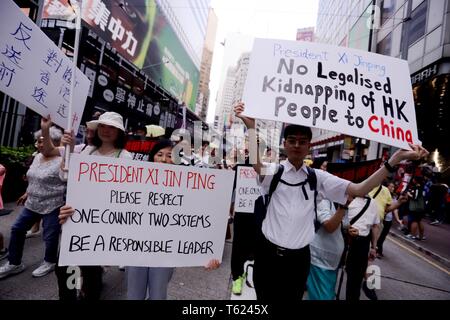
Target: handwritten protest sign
(35,72)
(334,88)
(247,189)
(144,214)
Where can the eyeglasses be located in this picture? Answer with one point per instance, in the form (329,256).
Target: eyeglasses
(300,142)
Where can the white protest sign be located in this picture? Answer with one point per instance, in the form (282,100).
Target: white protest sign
(346,90)
(138,213)
(35,72)
(247,189)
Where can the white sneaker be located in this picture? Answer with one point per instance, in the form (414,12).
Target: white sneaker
(10,269)
(33,234)
(43,269)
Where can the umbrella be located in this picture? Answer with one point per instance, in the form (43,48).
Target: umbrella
(154,131)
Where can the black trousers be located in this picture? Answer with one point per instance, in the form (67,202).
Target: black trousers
(244,233)
(356,265)
(91,286)
(280,274)
(386,227)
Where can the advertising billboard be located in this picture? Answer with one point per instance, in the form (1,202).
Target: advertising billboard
(140,32)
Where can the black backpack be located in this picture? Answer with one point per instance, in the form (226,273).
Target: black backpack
(262,202)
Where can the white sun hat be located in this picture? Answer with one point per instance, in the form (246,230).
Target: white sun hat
(112,119)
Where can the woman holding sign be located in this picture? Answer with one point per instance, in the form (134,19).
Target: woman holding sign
(42,200)
(152,282)
(108,141)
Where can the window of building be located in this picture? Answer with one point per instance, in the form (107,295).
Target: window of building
(387,10)
(417,24)
(385,45)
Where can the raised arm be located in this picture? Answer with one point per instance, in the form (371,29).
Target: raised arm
(255,159)
(335,221)
(49,150)
(396,204)
(362,188)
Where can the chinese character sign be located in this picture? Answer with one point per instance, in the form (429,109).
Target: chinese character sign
(35,72)
(350,91)
(144,213)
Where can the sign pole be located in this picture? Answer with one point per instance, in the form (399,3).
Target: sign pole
(78,12)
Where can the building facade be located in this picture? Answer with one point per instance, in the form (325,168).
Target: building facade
(142,57)
(232,93)
(414,30)
(222,117)
(205,67)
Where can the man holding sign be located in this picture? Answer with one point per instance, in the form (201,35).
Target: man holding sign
(282,259)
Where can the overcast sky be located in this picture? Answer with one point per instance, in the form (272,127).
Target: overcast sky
(253,18)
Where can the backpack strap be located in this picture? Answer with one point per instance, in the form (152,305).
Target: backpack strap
(378,192)
(118,153)
(312,179)
(274,183)
(364,209)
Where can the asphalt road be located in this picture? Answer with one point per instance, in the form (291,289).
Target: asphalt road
(406,274)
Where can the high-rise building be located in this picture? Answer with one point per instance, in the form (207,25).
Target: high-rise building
(222,118)
(414,30)
(205,67)
(232,93)
(241,75)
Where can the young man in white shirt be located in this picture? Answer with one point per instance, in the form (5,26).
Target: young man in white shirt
(282,257)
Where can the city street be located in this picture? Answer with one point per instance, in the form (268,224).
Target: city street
(167,131)
(406,274)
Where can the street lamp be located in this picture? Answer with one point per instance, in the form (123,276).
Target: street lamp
(150,66)
(155,64)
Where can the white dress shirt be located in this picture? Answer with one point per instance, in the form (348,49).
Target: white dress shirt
(289,222)
(368,219)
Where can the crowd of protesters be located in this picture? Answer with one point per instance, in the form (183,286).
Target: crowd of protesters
(315,222)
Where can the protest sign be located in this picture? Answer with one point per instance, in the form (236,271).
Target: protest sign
(34,71)
(334,88)
(247,189)
(138,213)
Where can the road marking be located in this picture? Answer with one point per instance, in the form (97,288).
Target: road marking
(418,255)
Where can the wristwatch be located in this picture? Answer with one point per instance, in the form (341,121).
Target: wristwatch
(389,168)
